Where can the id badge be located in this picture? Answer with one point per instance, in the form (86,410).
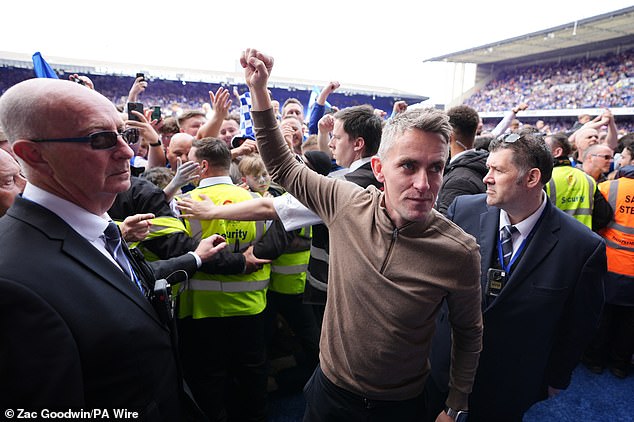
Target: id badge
(496,279)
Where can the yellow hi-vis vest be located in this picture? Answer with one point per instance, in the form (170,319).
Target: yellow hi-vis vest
(161,226)
(288,271)
(619,233)
(572,191)
(214,295)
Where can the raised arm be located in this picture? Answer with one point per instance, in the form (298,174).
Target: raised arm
(220,104)
(205,209)
(326,125)
(399,107)
(319,107)
(508,118)
(185,173)
(257,69)
(136,89)
(611,139)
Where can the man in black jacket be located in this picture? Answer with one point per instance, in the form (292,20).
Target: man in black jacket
(77,329)
(464,173)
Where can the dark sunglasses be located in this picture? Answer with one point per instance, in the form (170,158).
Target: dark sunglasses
(101,140)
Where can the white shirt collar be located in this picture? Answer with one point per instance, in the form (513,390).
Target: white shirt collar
(90,226)
(358,163)
(459,154)
(525,226)
(216,180)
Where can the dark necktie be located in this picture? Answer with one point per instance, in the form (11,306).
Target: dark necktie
(115,247)
(507,243)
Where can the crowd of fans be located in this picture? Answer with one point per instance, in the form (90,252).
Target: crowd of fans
(193,160)
(603,82)
(175,94)
(582,83)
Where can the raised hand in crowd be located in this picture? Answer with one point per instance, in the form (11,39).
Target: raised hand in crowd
(249,146)
(380,113)
(143,125)
(257,70)
(135,228)
(604,119)
(325,126)
(82,80)
(185,174)
(326,91)
(319,108)
(220,105)
(399,107)
(519,107)
(138,87)
(607,119)
(220,102)
(289,133)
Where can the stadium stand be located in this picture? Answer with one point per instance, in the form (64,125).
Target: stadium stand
(606,81)
(190,94)
(562,72)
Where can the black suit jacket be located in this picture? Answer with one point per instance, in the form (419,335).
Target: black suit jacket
(364,177)
(74,330)
(537,328)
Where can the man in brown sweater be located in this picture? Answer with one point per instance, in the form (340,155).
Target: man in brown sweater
(393,260)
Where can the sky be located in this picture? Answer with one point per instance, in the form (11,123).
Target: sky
(368,42)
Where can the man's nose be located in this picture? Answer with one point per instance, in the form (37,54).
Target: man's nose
(421,181)
(488,178)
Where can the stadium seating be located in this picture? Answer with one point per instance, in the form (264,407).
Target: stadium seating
(607,81)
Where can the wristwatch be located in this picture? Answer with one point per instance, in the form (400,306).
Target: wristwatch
(457,415)
(156,144)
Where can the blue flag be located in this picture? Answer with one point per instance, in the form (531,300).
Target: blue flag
(246,124)
(42,68)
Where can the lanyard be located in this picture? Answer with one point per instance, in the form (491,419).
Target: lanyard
(516,255)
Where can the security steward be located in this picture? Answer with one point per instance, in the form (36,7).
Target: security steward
(221,325)
(613,344)
(573,191)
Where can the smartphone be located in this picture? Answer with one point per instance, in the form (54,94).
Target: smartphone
(236,141)
(137,107)
(140,75)
(156,113)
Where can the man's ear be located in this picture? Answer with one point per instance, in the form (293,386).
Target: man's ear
(377,169)
(31,154)
(534,177)
(359,144)
(204,166)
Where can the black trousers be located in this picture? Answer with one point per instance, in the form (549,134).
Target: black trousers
(613,343)
(326,402)
(300,319)
(224,361)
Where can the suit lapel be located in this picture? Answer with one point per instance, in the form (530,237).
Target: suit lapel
(80,250)
(76,247)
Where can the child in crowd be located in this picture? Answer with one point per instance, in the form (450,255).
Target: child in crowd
(255,176)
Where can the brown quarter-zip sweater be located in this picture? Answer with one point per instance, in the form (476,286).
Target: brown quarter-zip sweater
(385,284)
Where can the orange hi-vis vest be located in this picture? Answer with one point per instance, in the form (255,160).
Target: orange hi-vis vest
(619,233)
